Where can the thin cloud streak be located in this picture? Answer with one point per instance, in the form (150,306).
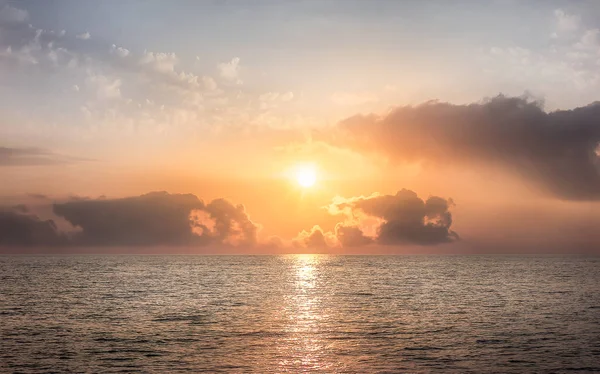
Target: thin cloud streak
(12,156)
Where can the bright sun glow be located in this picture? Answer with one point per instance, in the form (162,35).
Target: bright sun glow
(306,176)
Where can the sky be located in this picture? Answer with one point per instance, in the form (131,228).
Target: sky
(421,127)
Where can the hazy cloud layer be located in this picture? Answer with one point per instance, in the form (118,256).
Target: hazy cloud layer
(556,150)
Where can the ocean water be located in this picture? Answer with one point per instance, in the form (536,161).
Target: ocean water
(296,314)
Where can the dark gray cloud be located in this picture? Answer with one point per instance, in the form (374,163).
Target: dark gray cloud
(351,236)
(231,223)
(158,218)
(155,218)
(19,228)
(403,218)
(556,150)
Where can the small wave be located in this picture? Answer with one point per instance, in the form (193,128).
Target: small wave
(190,318)
(590,369)
(422,349)
(490,341)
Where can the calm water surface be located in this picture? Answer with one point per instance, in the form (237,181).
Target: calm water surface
(272,314)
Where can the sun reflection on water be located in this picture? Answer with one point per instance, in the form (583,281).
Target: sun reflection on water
(304,348)
(305,271)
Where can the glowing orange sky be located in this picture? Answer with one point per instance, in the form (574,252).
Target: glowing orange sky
(386,107)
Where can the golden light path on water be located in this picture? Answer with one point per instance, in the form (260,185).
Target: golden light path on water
(304,312)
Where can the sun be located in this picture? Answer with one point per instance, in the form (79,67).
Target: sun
(306,176)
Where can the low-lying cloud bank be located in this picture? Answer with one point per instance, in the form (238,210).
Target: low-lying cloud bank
(557,150)
(398,219)
(156,218)
(163,219)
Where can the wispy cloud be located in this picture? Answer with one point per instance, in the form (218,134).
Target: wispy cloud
(84,36)
(32,157)
(230,70)
(566,21)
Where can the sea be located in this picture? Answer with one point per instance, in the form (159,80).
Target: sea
(299,314)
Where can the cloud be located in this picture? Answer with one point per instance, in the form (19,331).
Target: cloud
(10,14)
(20,228)
(270,100)
(568,60)
(49,50)
(400,219)
(209,83)
(315,238)
(273,242)
(84,36)
(403,218)
(275,96)
(25,46)
(119,51)
(25,49)
(558,150)
(161,62)
(231,223)
(158,218)
(351,236)
(565,21)
(230,70)
(155,218)
(590,40)
(31,157)
(104,87)
(180,99)
(163,219)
